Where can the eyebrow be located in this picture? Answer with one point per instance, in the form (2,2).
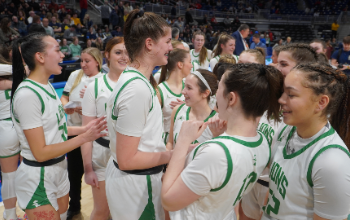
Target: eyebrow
(291,88)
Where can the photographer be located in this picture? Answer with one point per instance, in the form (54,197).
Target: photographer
(341,58)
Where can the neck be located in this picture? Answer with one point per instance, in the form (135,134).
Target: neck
(38,76)
(239,125)
(114,74)
(201,110)
(175,78)
(310,128)
(145,66)
(92,74)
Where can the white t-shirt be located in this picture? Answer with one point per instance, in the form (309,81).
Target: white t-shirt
(75,119)
(133,109)
(5,95)
(5,69)
(195,59)
(38,105)
(216,59)
(157,75)
(309,176)
(221,171)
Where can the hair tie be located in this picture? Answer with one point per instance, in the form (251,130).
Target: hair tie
(262,70)
(140,14)
(200,76)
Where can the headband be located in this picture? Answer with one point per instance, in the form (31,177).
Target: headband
(200,76)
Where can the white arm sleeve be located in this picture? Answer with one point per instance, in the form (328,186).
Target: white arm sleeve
(213,62)
(207,170)
(70,82)
(133,105)
(331,179)
(5,69)
(89,101)
(27,109)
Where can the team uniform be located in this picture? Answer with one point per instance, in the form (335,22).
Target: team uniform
(253,201)
(157,75)
(37,105)
(133,109)
(221,171)
(216,59)
(182,115)
(309,176)
(94,105)
(167,97)
(195,59)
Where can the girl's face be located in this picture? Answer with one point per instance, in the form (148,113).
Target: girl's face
(285,63)
(118,57)
(88,64)
(52,56)
(229,47)
(76,41)
(297,102)
(191,91)
(187,66)
(274,57)
(318,47)
(247,58)
(198,41)
(162,48)
(64,42)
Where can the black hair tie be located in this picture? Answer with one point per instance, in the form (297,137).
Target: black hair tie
(140,14)
(262,70)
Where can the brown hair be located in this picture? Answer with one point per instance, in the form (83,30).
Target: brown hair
(227,59)
(323,79)
(109,46)
(211,80)
(138,27)
(175,56)
(265,82)
(3,25)
(301,53)
(324,46)
(36,18)
(346,40)
(223,39)
(259,54)
(204,52)
(277,50)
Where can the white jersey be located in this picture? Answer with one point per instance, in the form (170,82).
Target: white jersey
(157,75)
(216,59)
(181,115)
(221,171)
(75,119)
(52,115)
(195,59)
(167,97)
(5,100)
(147,125)
(291,193)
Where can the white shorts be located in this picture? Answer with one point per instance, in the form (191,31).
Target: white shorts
(100,157)
(133,197)
(9,140)
(253,202)
(38,186)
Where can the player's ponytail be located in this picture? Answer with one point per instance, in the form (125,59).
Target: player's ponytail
(23,53)
(175,56)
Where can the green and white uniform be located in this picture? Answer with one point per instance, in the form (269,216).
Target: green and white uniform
(216,59)
(221,171)
(37,105)
(195,59)
(167,97)
(309,176)
(181,115)
(94,105)
(253,201)
(157,75)
(133,109)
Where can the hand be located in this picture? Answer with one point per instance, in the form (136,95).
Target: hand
(82,92)
(69,111)
(94,129)
(344,67)
(91,123)
(173,104)
(191,130)
(78,110)
(216,125)
(91,179)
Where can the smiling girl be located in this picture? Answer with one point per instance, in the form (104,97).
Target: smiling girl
(200,54)
(42,183)
(225,46)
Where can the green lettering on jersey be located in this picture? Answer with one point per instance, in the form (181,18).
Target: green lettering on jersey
(275,208)
(252,178)
(268,131)
(62,127)
(277,176)
(8,94)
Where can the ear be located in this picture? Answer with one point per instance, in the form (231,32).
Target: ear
(222,46)
(180,65)
(39,57)
(149,44)
(322,103)
(232,98)
(206,94)
(107,55)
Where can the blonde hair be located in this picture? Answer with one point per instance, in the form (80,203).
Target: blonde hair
(227,59)
(96,54)
(223,39)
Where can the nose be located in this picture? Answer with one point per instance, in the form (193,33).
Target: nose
(282,99)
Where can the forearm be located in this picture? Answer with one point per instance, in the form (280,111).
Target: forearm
(5,84)
(86,153)
(145,160)
(76,130)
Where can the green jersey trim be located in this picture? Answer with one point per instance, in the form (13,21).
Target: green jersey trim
(177,95)
(161,96)
(280,134)
(212,113)
(178,110)
(142,76)
(194,55)
(106,82)
(217,58)
(39,197)
(34,83)
(229,163)
(96,88)
(309,170)
(290,156)
(245,143)
(10,155)
(149,211)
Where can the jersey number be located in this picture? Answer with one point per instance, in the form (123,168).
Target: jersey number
(250,179)
(8,94)
(269,208)
(64,131)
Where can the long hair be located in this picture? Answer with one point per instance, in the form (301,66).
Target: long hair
(203,54)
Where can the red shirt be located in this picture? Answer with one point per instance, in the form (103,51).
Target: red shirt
(83,4)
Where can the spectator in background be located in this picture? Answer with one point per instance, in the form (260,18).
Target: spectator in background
(65,26)
(62,14)
(179,24)
(334,28)
(75,48)
(53,5)
(34,5)
(105,12)
(173,11)
(205,19)
(114,18)
(48,29)
(188,17)
(121,13)
(12,9)
(43,6)
(117,32)
(279,43)
(79,30)
(64,48)
(257,42)
(329,49)
(19,26)
(218,3)
(213,20)
(57,29)
(107,33)
(7,34)
(319,45)
(341,57)
(88,43)
(99,44)
(91,34)
(227,21)
(240,35)
(87,22)
(83,9)
(127,9)
(71,22)
(76,19)
(30,18)
(22,17)
(288,41)
(236,22)
(70,33)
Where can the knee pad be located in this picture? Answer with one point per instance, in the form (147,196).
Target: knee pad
(8,185)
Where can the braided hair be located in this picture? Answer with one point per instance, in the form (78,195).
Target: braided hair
(323,79)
